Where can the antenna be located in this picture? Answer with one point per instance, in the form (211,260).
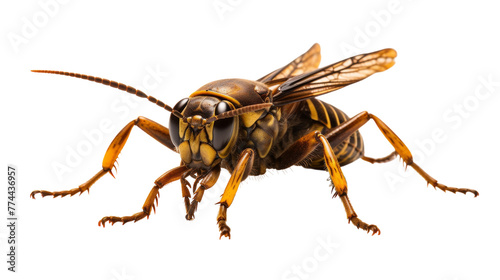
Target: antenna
(117,85)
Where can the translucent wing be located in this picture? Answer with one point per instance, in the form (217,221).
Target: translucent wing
(307,62)
(333,77)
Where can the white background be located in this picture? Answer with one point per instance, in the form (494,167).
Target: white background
(280,221)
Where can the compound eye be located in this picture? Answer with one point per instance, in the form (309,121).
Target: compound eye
(173,125)
(223,129)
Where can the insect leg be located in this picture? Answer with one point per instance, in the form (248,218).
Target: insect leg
(186,194)
(340,184)
(299,151)
(152,128)
(388,158)
(206,183)
(168,177)
(307,145)
(338,134)
(240,172)
(405,154)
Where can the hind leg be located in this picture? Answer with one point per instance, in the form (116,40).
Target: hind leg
(405,154)
(309,144)
(305,146)
(388,158)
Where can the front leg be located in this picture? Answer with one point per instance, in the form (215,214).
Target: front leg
(153,129)
(168,177)
(240,172)
(206,183)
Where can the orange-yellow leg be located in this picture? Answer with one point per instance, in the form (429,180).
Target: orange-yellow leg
(340,184)
(83,187)
(304,147)
(169,176)
(240,172)
(344,130)
(206,183)
(152,128)
(405,154)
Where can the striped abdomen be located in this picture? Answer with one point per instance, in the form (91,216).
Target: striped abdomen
(330,117)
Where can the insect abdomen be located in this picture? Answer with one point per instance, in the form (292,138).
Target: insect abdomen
(331,117)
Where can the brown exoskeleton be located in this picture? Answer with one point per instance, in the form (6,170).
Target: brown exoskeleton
(248,126)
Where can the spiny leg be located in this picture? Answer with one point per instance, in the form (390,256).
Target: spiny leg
(168,177)
(405,154)
(343,131)
(309,144)
(224,229)
(299,151)
(240,172)
(186,194)
(207,182)
(83,187)
(340,184)
(152,128)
